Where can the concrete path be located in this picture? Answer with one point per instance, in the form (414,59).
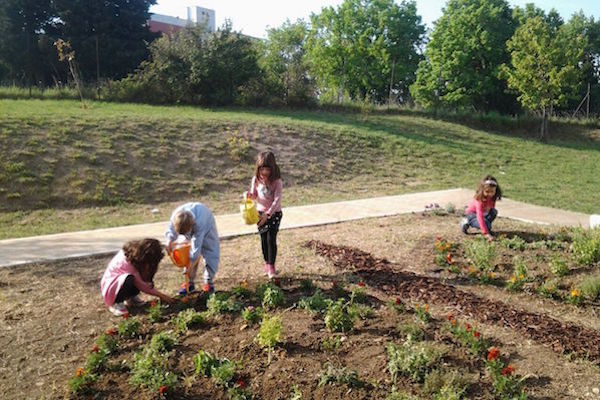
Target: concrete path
(106,241)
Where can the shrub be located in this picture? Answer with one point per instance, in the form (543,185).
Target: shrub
(223,372)
(219,303)
(586,246)
(82,382)
(338,317)
(411,359)
(558,266)
(482,254)
(163,342)
(341,375)
(204,362)
(252,314)
(549,289)
(269,334)
(129,327)
(155,312)
(272,297)
(332,343)
(150,370)
(590,287)
(316,303)
(187,319)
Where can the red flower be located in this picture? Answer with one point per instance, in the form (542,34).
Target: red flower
(163,390)
(450,317)
(241,384)
(111,331)
(153,303)
(449,258)
(398,301)
(468,327)
(476,334)
(95,348)
(184,300)
(334,283)
(506,371)
(493,354)
(126,315)
(453,322)
(361,284)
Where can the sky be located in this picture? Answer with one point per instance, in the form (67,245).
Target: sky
(254,17)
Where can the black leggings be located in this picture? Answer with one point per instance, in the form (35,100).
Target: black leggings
(127,291)
(268,237)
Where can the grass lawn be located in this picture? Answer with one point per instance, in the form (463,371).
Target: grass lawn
(66,167)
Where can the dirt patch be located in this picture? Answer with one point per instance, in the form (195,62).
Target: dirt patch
(53,313)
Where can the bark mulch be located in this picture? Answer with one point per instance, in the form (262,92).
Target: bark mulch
(388,277)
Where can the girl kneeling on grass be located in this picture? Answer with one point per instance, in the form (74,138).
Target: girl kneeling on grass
(130,271)
(266,188)
(481,212)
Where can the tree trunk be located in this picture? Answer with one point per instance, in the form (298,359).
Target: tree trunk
(544,127)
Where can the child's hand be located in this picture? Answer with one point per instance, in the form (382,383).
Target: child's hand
(262,220)
(167,299)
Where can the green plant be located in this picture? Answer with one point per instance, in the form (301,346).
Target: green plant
(482,254)
(272,297)
(252,314)
(575,297)
(513,243)
(163,342)
(82,382)
(307,285)
(396,395)
(443,385)
(338,318)
(558,266)
(188,318)
(397,305)
(586,246)
(422,313)
(241,291)
(519,276)
(269,334)
(506,384)
(549,289)
(223,372)
(468,336)
(358,295)
(204,362)
(411,331)
(129,327)
(155,311)
(296,393)
(411,359)
(340,375)
(238,146)
(362,311)
(150,370)
(219,303)
(331,343)
(316,303)
(590,287)
(238,393)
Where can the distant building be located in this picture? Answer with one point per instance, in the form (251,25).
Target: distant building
(195,16)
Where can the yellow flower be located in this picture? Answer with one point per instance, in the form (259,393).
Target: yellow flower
(575,293)
(521,277)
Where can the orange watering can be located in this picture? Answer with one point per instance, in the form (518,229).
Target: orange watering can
(180,256)
(249,211)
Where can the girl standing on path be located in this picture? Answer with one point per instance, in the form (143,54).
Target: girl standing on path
(481,212)
(266,188)
(130,271)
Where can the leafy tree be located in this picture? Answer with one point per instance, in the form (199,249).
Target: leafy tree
(285,63)
(463,57)
(544,65)
(364,48)
(25,48)
(110,38)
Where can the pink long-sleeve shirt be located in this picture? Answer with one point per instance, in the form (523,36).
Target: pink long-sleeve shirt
(479,208)
(114,276)
(268,196)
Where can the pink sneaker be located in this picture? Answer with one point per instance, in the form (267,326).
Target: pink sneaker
(271,273)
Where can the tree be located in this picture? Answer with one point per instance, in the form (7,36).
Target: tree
(285,63)
(364,48)
(544,65)
(25,49)
(463,57)
(110,38)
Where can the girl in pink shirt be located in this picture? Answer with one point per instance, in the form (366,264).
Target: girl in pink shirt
(130,271)
(266,188)
(481,212)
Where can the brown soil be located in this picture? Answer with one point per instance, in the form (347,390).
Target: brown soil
(52,314)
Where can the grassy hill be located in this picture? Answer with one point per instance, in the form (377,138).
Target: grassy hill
(67,167)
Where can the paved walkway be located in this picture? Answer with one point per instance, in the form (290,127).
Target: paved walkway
(106,241)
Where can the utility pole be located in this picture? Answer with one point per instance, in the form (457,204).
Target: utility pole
(587,112)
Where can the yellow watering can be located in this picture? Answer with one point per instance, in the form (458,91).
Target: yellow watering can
(249,212)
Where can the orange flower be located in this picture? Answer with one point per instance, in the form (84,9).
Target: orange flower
(453,322)
(111,331)
(163,390)
(80,372)
(95,348)
(468,327)
(575,293)
(426,307)
(450,317)
(506,371)
(493,354)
